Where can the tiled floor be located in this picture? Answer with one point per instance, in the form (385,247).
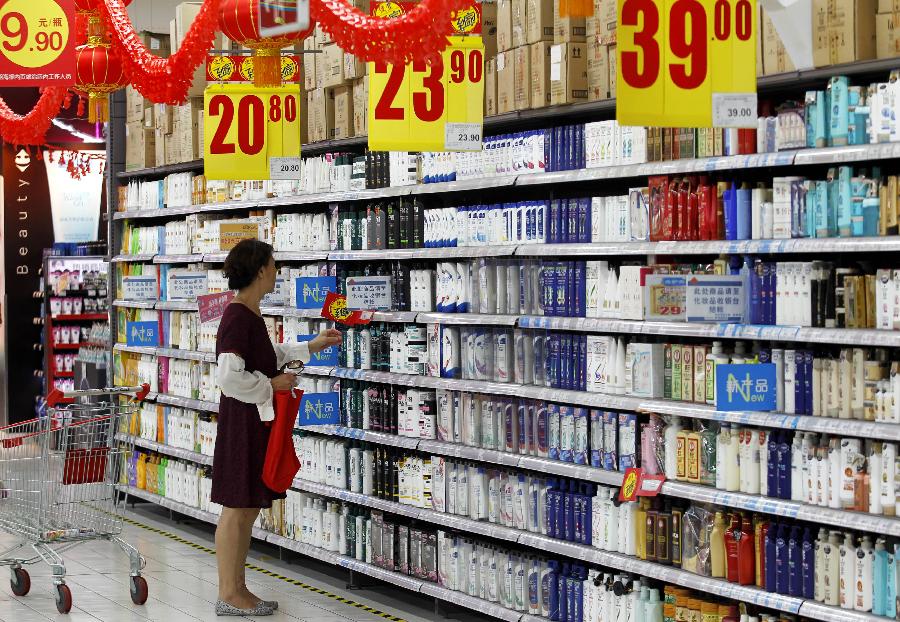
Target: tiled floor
(182,582)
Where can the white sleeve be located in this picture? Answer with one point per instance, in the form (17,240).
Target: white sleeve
(287,352)
(238,383)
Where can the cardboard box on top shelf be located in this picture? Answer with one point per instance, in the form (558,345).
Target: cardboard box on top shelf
(519,23)
(333,61)
(353,67)
(506,82)
(538,21)
(597,68)
(135,104)
(159,148)
(567,29)
(360,106)
(321,69)
(321,37)
(343,112)
(489,28)
(321,115)
(164,117)
(540,73)
(603,22)
(149,120)
(185,13)
(490,88)
(613,64)
(140,147)
(158,44)
(311,61)
(522,78)
(568,73)
(200,134)
(504,25)
(775,58)
(887,35)
(172,150)
(843,31)
(187,118)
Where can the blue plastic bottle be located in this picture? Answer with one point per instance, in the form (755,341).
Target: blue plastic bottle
(808,565)
(781,560)
(795,562)
(551,590)
(771,536)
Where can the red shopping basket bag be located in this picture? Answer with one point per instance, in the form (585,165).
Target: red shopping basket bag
(85,466)
(281,463)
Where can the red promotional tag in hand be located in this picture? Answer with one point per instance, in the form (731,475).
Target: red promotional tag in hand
(335,309)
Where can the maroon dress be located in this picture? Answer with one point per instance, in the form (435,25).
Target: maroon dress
(242,439)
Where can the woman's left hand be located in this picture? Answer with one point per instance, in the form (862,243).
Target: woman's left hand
(325,339)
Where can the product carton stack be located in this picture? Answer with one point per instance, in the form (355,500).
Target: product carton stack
(568,59)
(140,123)
(843,31)
(772,57)
(601,50)
(887,29)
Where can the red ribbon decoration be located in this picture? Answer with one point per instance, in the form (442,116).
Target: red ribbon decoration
(161,80)
(420,34)
(31,128)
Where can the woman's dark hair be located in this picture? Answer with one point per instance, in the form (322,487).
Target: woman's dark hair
(244,262)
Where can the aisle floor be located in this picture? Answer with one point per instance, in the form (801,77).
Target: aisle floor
(182,582)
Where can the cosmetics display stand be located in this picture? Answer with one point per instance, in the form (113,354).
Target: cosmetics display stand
(583,182)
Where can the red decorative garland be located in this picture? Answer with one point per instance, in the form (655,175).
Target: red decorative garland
(161,80)
(31,128)
(421,33)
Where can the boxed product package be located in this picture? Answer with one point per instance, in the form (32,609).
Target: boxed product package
(568,29)
(353,67)
(540,74)
(140,147)
(149,119)
(159,148)
(158,44)
(888,6)
(613,64)
(887,35)
(186,129)
(538,21)
(489,28)
(343,112)
(490,88)
(504,25)
(360,106)
(519,23)
(603,21)
(597,68)
(164,117)
(522,77)
(135,104)
(568,73)
(311,60)
(321,115)
(775,58)
(843,31)
(333,66)
(506,82)
(172,150)
(185,13)
(322,38)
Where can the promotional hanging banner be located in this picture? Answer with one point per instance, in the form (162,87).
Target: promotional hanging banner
(686,63)
(249,130)
(746,386)
(212,306)
(335,309)
(237,68)
(436,107)
(37,43)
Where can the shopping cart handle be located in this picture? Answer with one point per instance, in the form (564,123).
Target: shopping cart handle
(59,397)
(56,397)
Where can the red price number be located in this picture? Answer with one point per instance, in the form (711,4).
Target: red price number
(687,26)
(252,115)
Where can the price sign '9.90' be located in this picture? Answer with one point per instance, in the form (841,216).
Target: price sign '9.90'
(245,127)
(437,107)
(686,63)
(37,43)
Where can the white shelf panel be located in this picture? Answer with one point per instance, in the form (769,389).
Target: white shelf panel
(186,402)
(121,347)
(157,213)
(291,312)
(300,255)
(133,258)
(455,252)
(217,257)
(484,607)
(820,611)
(188,355)
(466,319)
(851,153)
(167,450)
(134,304)
(174,259)
(176,305)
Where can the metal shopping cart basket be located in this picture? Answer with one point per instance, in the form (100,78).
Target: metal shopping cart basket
(58,476)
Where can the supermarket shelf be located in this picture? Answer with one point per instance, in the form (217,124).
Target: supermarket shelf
(84,317)
(188,355)
(841,336)
(704,494)
(452,252)
(291,312)
(135,258)
(159,171)
(301,256)
(135,304)
(582,552)
(176,305)
(186,402)
(121,347)
(175,259)
(167,450)
(467,319)
(395,578)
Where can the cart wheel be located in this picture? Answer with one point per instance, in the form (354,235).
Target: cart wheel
(139,590)
(20,583)
(63,598)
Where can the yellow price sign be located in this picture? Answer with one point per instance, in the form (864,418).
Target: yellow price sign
(251,133)
(232,233)
(37,43)
(686,63)
(437,107)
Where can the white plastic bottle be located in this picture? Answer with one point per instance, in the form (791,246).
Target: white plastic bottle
(864,569)
(847,566)
(671,442)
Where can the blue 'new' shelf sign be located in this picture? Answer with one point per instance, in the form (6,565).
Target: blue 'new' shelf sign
(319,409)
(142,334)
(312,290)
(326,358)
(745,387)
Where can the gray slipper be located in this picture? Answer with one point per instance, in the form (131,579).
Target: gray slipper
(271,604)
(224,609)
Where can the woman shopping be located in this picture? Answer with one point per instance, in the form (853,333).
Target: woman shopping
(249,372)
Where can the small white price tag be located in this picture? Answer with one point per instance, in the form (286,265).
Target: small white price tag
(734,110)
(284,168)
(463,136)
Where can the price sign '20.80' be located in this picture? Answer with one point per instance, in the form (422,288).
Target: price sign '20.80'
(244,127)
(686,63)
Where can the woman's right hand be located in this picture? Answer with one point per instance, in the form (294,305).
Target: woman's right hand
(284,382)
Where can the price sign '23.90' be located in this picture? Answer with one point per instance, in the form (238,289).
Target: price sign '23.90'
(686,63)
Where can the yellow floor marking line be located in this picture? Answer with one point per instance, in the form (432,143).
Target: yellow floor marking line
(269,573)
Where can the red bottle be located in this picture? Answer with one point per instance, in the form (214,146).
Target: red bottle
(746,553)
(732,535)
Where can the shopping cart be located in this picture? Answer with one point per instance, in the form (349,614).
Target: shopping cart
(58,476)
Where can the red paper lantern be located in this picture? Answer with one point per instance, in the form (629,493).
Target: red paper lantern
(239,21)
(98,72)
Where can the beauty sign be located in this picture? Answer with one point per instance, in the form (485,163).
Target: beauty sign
(212,306)
(326,358)
(369,293)
(746,387)
(37,43)
(245,127)
(319,409)
(312,291)
(686,63)
(430,107)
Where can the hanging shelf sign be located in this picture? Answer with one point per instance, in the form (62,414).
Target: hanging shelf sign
(37,43)
(687,63)
(437,107)
(237,68)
